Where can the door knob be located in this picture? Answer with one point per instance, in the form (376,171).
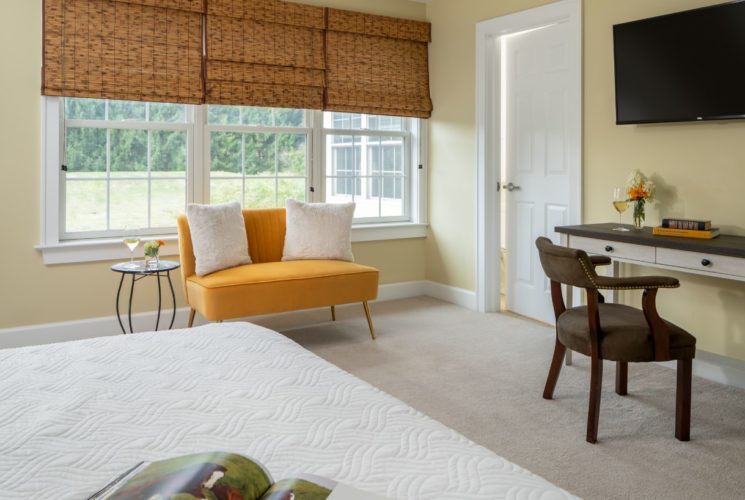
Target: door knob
(512,187)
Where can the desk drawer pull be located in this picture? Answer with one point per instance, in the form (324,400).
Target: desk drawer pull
(706,262)
(608,248)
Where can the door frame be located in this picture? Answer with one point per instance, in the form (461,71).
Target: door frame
(489,124)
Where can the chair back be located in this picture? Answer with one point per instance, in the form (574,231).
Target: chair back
(564,265)
(265,230)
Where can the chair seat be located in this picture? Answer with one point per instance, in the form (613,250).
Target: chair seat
(625,334)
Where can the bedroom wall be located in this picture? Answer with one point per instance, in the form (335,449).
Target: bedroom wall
(32,293)
(699,167)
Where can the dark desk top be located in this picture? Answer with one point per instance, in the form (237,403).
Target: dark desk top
(733,246)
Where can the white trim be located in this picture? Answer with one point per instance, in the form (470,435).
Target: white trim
(95,250)
(107,326)
(488,127)
(457,296)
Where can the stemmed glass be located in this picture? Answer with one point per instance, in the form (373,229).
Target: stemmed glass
(620,203)
(131,240)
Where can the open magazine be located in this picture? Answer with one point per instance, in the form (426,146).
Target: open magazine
(220,476)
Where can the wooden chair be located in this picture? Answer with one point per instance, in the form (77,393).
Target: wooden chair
(614,332)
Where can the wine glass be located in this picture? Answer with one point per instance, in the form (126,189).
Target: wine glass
(131,240)
(620,203)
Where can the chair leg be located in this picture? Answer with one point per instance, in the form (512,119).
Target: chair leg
(622,378)
(683,400)
(553,372)
(596,383)
(369,319)
(192,312)
(333,313)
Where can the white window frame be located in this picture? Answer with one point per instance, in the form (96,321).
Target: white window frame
(55,249)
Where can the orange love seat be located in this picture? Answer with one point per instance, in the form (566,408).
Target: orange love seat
(269,285)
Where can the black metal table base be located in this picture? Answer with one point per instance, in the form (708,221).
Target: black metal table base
(137,277)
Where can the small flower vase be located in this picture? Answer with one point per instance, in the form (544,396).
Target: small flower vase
(639,214)
(151,262)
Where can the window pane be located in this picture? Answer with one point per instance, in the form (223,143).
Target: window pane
(168,151)
(128,152)
(289,117)
(347,121)
(223,115)
(225,190)
(127,110)
(85,150)
(290,188)
(260,193)
(85,203)
(85,109)
(291,154)
(225,154)
(168,201)
(128,204)
(257,116)
(260,154)
(385,122)
(392,203)
(167,113)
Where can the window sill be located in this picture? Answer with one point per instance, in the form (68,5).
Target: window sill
(68,252)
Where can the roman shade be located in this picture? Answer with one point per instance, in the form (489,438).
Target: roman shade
(142,50)
(377,65)
(265,53)
(236,52)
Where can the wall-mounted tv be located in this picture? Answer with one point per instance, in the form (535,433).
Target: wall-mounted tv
(687,66)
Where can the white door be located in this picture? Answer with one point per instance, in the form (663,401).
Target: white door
(539,149)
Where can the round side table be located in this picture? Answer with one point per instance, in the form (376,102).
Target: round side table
(138,272)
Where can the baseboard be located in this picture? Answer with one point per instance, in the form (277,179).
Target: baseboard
(458,296)
(96,327)
(727,371)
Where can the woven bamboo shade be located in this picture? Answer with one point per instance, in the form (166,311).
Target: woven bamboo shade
(265,53)
(142,50)
(377,65)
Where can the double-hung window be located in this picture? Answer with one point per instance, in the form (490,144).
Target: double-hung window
(117,166)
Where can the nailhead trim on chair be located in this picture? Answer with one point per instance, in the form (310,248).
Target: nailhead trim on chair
(640,287)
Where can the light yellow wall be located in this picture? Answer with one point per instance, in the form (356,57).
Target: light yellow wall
(700,167)
(32,293)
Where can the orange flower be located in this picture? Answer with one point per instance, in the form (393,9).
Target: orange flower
(160,242)
(638,193)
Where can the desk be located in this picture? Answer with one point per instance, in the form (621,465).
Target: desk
(722,257)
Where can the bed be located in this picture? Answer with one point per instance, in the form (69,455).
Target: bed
(75,415)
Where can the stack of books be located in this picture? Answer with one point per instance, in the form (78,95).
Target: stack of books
(686,228)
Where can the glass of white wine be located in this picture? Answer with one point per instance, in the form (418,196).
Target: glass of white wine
(131,240)
(620,203)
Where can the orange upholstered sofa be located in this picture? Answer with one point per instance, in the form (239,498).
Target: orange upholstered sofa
(269,285)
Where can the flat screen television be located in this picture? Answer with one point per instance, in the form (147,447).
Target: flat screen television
(687,66)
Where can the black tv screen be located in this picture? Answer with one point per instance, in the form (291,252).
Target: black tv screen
(687,66)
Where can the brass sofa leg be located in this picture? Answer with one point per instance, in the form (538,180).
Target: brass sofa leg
(333,313)
(369,319)
(192,312)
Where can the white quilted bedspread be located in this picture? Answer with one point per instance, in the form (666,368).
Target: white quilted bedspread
(75,415)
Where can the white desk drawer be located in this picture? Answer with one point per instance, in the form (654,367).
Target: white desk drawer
(614,249)
(719,264)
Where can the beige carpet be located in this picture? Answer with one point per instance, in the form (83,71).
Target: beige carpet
(483,375)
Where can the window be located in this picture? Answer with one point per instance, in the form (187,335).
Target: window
(135,165)
(126,166)
(368,162)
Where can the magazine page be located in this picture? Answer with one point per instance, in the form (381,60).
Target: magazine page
(310,487)
(213,476)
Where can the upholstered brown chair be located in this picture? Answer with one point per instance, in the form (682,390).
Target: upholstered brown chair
(614,332)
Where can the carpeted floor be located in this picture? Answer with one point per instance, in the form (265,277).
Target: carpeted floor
(483,375)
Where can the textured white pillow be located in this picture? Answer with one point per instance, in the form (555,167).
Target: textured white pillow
(318,231)
(218,235)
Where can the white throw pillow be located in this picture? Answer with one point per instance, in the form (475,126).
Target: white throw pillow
(318,231)
(218,236)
